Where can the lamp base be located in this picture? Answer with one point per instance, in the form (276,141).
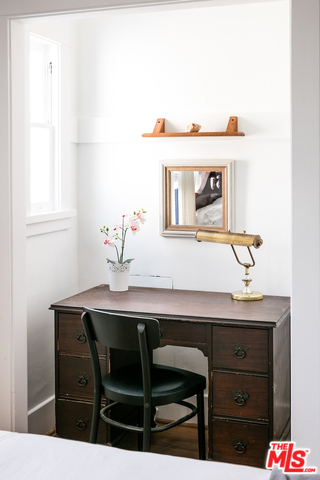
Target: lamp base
(239,295)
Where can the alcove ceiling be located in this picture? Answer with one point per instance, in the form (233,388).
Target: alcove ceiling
(163,5)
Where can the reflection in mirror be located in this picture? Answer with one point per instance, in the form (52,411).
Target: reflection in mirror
(196,196)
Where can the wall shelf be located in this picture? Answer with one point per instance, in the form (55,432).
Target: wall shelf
(232,131)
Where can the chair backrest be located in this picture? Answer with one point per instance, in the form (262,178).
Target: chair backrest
(119,331)
(122,332)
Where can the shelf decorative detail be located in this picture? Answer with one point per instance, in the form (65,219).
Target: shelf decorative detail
(232,131)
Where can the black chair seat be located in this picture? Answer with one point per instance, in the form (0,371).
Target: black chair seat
(168,385)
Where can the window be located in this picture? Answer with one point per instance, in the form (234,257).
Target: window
(44,191)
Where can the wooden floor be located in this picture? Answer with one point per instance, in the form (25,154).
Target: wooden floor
(181,441)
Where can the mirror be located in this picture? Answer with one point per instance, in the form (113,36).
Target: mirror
(196,196)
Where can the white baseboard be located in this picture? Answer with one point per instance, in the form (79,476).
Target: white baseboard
(41,419)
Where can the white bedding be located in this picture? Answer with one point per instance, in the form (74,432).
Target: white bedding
(210,214)
(37,457)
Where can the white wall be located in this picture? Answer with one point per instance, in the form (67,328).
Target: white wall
(198,65)
(306,228)
(52,254)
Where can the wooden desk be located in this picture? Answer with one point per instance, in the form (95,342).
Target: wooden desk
(248,350)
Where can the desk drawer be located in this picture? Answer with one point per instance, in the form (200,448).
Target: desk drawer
(240,395)
(71,337)
(73,421)
(242,443)
(244,349)
(183,333)
(76,376)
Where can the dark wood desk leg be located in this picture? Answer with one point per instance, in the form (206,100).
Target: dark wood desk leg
(201,427)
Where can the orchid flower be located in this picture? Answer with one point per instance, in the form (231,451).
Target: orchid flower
(109,241)
(140,216)
(128,222)
(134,228)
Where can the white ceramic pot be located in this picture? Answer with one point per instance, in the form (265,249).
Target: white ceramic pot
(118,276)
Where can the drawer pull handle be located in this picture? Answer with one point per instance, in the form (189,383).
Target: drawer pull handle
(81,423)
(240,350)
(240,397)
(240,445)
(81,337)
(82,379)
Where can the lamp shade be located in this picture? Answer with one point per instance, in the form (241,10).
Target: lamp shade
(228,238)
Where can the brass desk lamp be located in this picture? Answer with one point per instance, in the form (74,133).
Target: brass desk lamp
(241,239)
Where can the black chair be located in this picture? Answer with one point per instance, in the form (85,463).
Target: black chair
(145,385)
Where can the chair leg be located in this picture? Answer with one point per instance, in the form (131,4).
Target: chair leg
(146,428)
(95,419)
(201,427)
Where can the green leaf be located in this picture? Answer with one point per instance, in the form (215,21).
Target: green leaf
(110,261)
(129,260)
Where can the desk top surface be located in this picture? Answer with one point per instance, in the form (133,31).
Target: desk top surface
(180,304)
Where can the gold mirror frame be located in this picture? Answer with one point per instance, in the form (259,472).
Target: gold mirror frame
(168,228)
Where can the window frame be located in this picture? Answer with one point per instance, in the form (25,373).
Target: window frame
(51,121)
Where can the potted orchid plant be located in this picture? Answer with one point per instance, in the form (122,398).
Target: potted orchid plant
(119,270)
